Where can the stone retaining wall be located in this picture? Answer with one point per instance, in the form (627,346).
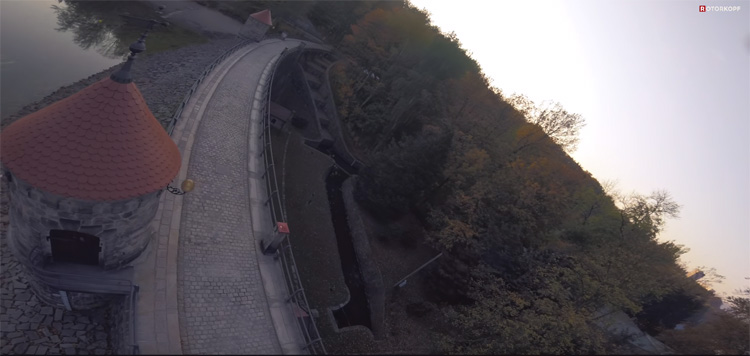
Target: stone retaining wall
(371,276)
(122,325)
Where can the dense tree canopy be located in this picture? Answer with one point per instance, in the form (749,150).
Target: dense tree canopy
(550,119)
(533,244)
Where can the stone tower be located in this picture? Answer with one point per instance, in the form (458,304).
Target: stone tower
(256,25)
(85,175)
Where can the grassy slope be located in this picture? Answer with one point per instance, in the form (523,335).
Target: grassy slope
(314,241)
(312,236)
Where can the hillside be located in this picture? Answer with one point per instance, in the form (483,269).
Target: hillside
(533,245)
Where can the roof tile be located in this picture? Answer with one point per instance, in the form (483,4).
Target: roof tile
(81,146)
(263,16)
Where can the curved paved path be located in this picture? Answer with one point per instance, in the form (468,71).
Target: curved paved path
(221,290)
(205,286)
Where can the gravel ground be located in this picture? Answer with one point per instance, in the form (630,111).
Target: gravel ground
(163,78)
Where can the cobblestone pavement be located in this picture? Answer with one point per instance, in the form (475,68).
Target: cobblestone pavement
(28,326)
(223,305)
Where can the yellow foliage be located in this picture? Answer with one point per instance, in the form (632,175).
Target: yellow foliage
(456,231)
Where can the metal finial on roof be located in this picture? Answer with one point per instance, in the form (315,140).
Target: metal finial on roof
(123,75)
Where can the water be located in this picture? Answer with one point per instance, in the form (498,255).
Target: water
(46,44)
(35,58)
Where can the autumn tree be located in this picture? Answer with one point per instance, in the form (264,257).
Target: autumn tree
(409,59)
(534,312)
(95,24)
(523,104)
(403,172)
(532,244)
(725,333)
(334,18)
(646,215)
(710,278)
(562,126)
(665,312)
(739,305)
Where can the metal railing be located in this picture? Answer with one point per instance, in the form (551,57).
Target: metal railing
(296,299)
(204,74)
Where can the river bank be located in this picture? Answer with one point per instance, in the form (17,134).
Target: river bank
(163,78)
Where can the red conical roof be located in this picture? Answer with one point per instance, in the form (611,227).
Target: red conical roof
(101,144)
(263,16)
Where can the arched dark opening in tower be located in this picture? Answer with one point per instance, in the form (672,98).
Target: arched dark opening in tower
(74,247)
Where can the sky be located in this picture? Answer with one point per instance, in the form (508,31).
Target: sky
(664,90)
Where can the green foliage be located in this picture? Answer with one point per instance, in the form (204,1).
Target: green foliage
(532,243)
(739,305)
(667,311)
(400,62)
(334,18)
(724,334)
(446,59)
(535,314)
(552,119)
(401,173)
(646,215)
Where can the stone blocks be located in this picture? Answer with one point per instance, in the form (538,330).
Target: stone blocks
(121,226)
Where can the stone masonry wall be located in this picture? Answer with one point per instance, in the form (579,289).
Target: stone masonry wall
(371,276)
(29,326)
(253,29)
(122,226)
(122,325)
(334,122)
